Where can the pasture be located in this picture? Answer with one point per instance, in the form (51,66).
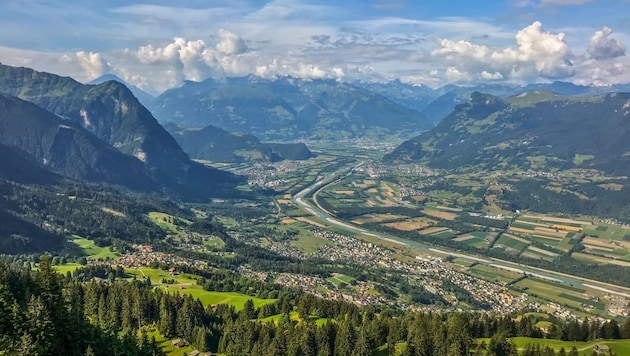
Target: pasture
(237,300)
(78,246)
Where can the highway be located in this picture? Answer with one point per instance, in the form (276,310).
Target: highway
(335,177)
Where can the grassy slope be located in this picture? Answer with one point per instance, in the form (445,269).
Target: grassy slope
(79,246)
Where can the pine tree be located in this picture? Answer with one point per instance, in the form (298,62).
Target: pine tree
(362,346)
(345,340)
(458,335)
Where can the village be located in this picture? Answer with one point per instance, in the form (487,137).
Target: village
(426,272)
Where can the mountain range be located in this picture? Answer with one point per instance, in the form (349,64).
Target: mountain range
(436,104)
(527,129)
(287,109)
(97,133)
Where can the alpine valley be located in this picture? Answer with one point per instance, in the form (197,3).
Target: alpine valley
(289,216)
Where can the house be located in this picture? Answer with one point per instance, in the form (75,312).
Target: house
(194,353)
(178,343)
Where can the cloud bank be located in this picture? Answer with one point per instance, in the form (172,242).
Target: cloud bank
(158,47)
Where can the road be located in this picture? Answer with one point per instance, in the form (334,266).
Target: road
(335,177)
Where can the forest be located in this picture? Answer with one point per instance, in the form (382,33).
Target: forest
(45,313)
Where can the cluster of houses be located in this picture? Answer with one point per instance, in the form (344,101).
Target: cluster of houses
(144,256)
(265,174)
(427,272)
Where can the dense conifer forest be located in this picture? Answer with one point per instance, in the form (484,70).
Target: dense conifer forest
(45,313)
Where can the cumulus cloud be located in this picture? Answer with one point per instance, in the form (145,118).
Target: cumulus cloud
(548,53)
(603,47)
(491,76)
(93,64)
(182,59)
(454,75)
(159,67)
(538,53)
(230,43)
(452,50)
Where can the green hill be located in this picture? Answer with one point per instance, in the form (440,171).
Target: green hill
(569,132)
(214,144)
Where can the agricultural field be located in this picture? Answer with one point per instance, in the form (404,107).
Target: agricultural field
(411,224)
(578,299)
(609,232)
(538,253)
(512,242)
(309,243)
(377,218)
(527,236)
(493,274)
(440,214)
(602,243)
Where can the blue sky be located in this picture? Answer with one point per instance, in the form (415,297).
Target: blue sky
(157,45)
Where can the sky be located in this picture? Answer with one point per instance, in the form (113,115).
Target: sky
(157,45)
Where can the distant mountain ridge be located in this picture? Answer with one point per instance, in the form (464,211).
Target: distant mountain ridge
(436,104)
(109,120)
(287,109)
(142,96)
(568,132)
(214,144)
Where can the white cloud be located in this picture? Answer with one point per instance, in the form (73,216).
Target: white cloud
(603,47)
(538,54)
(451,50)
(93,64)
(230,43)
(454,75)
(491,76)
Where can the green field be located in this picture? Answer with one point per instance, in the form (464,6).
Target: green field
(276,318)
(493,274)
(578,159)
(156,275)
(238,300)
(78,246)
(309,243)
(511,243)
(68,267)
(608,232)
(446,234)
(167,346)
(168,222)
(340,279)
(476,242)
(620,347)
(559,293)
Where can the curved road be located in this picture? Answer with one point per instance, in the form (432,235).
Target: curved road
(335,177)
